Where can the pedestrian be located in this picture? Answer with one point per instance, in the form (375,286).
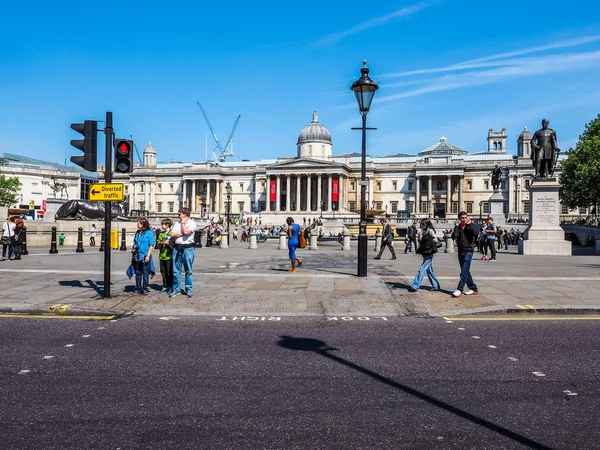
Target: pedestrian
(490,234)
(8,231)
(183,252)
(428,245)
(18,237)
(93,234)
(293,231)
(143,244)
(235,235)
(61,238)
(407,245)
(387,240)
(465,234)
(165,255)
(411,233)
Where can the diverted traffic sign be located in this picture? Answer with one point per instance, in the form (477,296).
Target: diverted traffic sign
(106,192)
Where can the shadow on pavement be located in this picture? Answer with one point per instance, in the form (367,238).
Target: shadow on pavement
(323,349)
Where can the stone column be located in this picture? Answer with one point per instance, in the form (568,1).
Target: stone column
(219,195)
(288,193)
(417,195)
(461,180)
(146,196)
(208,202)
(429,196)
(370,195)
(511,197)
(183,193)
(327,179)
(298,193)
(319,192)
(449,196)
(278,194)
(193,201)
(308,193)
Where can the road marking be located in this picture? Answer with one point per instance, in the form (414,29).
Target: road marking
(539,374)
(448,321)
(168,318)
(24,371)
(492,346)
(570,393)
(346,319)
(86,336)
(512,358)
(70,345)
(462,329)
(101,328)
(251,318)
(475,337)
(48,357)
(48,316)
(528,318)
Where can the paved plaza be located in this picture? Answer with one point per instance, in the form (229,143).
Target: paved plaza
(239,282)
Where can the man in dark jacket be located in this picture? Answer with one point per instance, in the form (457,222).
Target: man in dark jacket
(388,238)
(411,234)
(465,234)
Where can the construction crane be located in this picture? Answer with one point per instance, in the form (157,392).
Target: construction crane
(227,149)
(137,152)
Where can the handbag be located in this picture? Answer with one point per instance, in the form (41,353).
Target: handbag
(301,240)
(5,240)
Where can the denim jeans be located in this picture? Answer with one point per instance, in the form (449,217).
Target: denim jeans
(465,272)
(183,258)
(142,276)
(426,268)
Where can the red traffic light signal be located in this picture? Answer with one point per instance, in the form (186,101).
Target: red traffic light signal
(123,156)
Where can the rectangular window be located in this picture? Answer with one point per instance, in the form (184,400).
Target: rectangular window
(159,207)
(141,187)
(379,186)
(241,206)
(126,189)
(263,206)
(171,207)
(423,186)
(526,206)
(424,207)
(159,187)
(454,207)
(469,207)
(395,185)
(410,185)
(394,207)
(378,205)
(503,185)
(469,185)
(241,187)
(352,185)
(486,207)
(142,205)
(564,209)
(582,210)
(504,208)
(486,184)
(411,207)
(352,206)
(263,187)
(171,187)
(526,183)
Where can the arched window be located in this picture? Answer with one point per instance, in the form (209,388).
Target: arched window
(499,145)
(310,150)
(495,146)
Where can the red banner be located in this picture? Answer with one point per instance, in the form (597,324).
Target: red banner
(273,190)
(335,190)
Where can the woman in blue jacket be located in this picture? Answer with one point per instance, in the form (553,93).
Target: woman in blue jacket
(293,231)
(144,242)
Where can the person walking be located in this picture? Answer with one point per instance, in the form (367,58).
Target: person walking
(465,233)
(18,237)
(388,239)
(411,233)
(93,234)
(165,255)
(428,245)
(293,231)
(8,231)
(490,234)
(183,252)
(143,243)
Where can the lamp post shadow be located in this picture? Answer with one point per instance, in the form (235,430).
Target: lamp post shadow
(323,349)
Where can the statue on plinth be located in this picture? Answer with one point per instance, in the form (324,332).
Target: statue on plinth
(544,151)
(496,173)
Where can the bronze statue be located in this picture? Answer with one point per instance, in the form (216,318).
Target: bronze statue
(544,151)
(496,173)
(84,210)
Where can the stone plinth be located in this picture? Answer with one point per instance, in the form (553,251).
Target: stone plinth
(544,236)
(52,206)
(496,203)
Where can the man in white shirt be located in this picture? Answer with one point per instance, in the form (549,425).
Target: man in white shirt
(183,252)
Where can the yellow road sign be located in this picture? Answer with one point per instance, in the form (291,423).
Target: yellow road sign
(106,192)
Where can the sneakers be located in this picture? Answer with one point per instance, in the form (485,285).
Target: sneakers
(470,292)
(484,258)
(166,290)
(136,292)
(456,293)
(493,259)
(174,294)
(377,257)
(412,289)
(190,295)
(393,258)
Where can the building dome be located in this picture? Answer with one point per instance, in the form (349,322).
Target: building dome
(525,134)
(149,156)
(150,149)
(314,132)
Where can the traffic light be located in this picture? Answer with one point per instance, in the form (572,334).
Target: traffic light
(123,156)
(88,145)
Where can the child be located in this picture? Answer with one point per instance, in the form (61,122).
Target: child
(407,245)
(61,239)
(166,265)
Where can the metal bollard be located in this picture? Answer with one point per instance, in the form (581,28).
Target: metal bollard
(24,244)
(102,240)
(198,239)
(377,241)
(53,248)
(79,240)
(123,246)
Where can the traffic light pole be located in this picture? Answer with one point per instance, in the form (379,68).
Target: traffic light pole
(108,132)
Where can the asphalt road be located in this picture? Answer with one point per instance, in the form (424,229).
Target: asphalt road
(299,383)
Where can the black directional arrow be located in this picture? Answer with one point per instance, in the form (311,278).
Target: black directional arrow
(94,191)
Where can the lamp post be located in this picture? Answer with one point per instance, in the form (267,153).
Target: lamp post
(228,190)
(364,90)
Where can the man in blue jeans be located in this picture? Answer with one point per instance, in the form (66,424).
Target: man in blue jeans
(183,252)
(465,234)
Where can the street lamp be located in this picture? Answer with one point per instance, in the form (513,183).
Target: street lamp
(228,190)
(364,90)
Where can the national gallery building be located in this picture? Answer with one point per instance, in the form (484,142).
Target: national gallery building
(438,182)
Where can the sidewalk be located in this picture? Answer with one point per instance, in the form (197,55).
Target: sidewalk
(241,282)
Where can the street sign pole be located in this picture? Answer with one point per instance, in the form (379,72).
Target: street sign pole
(108,132)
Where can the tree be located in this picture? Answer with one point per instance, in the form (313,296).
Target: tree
(9,190)
(580,176)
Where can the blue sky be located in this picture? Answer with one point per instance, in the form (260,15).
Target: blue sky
(452,68)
